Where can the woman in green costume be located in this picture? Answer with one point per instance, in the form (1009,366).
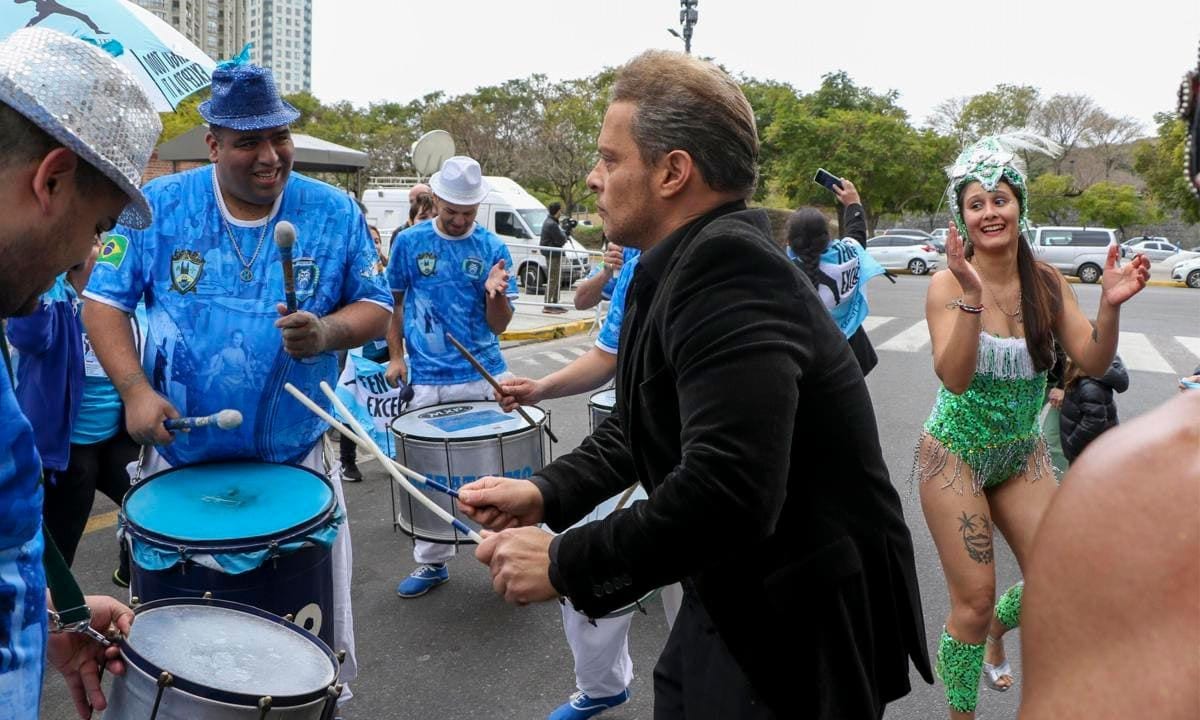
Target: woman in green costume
(981,462)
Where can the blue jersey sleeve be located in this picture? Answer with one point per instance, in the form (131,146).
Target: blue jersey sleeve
(118,278)
(397,277)
(610,335)
(364,279)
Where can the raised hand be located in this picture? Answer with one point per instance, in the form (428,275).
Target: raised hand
(497,280)
(1121,283)
(956,261)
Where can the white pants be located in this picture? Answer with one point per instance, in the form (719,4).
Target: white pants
(342,555)
(425,552)
(601,651)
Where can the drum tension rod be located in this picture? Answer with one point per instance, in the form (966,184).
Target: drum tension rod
(164,681)
(264,706)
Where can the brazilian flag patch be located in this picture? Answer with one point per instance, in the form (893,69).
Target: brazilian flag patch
(113,250)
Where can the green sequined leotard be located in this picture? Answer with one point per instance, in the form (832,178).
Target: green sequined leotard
(993,426)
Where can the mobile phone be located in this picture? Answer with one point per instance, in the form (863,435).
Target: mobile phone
(826,178)
(1187,384)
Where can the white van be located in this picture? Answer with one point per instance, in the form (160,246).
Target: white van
(508,210)
(1078,251)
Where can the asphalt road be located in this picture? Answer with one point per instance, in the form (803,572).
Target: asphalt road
(461,652)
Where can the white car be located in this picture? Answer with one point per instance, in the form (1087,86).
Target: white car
(1188,272)
(1155,248)
(894,252)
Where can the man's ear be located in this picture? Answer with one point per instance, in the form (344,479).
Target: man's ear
(213,141)
(54,179)
(673,172)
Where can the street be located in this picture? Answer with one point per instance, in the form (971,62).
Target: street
(462,652)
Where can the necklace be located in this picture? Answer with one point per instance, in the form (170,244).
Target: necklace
(1016,313)
(246,274)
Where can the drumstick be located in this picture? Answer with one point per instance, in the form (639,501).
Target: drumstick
(319,412)
(625,497)
(404,483)
(492,381)
(225,420)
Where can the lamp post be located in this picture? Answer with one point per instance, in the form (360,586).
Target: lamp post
(688,16)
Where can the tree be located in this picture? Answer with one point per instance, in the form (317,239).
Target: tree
(769,100)
(1109,205)
(949,119)
(185,117)
(1051,199)
(564,149)
(1065,119)
(1160,163)
(1002,109)
(838,92)
(1110,136)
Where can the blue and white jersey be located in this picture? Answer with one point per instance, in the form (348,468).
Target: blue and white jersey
(443,279)
(845,269)
(610,335)
(211,339)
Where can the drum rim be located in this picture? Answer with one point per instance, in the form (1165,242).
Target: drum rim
(230,697)
(227,544)
(525,427)
(609,408)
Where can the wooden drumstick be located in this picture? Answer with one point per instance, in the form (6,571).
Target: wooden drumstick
(333,423)
(625,497)
(492,381)
(383,460)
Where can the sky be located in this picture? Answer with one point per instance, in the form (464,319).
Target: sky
(1129,60)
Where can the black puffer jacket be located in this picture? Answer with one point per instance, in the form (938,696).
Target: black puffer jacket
(1089,408)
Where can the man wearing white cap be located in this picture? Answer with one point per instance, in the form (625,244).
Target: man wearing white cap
(76,132)
(449,275)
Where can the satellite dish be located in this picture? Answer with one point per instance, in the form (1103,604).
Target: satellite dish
(430,151)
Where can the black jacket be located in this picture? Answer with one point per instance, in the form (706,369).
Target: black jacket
(552,233)
(1089,408)
(742,411)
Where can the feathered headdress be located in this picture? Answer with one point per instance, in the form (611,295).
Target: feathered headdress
(992,159)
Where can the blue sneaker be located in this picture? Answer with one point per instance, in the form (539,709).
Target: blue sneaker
(581,706)
(422,580)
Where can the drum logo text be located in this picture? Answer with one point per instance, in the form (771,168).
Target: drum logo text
(445,412)
(457,481)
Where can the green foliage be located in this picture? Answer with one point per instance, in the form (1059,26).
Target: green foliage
(185,117)
(1051,199)
(1002,109)
(589,236)
(1160,163)
(1106,204)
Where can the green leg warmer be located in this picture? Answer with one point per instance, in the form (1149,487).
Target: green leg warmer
(1008,607)
(959,666)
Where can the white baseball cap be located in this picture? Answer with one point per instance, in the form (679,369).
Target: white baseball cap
(460,182)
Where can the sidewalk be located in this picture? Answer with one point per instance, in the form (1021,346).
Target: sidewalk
(530,323)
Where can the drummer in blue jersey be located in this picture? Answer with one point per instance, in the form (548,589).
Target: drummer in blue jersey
(600,647)
(210,275)
(447,275)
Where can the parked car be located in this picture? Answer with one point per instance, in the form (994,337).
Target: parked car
(908,231)
(1155,248)
(894,252)
(1078,251)
(1188,272)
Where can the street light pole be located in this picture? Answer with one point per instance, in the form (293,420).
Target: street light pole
(688,16)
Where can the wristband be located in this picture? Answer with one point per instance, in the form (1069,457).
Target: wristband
(958,303)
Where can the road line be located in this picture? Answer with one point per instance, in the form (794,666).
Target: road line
(910,340)
(1139,354)
(1191,343)
(557,357)
(100,522)
(874,321)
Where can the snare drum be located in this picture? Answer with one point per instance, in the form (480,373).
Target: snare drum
(457,443)
(601,405)
(254,533)
(196,659)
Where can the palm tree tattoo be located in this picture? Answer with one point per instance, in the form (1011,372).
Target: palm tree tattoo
(977,537)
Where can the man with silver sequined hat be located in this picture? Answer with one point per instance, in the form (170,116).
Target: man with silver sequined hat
(211,277)
(76,132)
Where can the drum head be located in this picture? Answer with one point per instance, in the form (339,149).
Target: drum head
(223,501)
(605,399)
(463,421)
(229,650)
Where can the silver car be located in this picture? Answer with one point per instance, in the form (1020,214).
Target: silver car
(1155,248)
(895,252)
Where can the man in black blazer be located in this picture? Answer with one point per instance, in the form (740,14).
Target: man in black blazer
(742,411)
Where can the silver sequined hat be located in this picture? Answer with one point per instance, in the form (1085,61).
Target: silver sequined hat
(85,100)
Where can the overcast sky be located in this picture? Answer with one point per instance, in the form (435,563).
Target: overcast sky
(1129,60)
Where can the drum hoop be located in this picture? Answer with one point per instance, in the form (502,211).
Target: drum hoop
(228,544)
(227,696)
(608,408)
(633,606)
(525,428)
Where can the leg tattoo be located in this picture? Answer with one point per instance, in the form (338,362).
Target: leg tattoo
(976,532)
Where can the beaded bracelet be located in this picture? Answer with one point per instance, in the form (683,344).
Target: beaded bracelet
(958,303)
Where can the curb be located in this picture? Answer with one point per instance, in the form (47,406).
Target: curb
(550,332)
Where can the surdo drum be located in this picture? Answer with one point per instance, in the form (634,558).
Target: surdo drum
(254,533)
(457,443)
(601,405)
(198,659)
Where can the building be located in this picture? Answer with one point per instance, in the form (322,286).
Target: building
(281,33)
(218,27)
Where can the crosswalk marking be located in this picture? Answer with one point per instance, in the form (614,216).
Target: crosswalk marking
(1191,343)
(577,351)
(556,357)
(910,340)
(874,321)
(1139,354)
(529,359)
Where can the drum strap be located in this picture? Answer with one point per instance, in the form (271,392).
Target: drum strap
(62,585)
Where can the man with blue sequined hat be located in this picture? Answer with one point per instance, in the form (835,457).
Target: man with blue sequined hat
(212,281)
(76,132)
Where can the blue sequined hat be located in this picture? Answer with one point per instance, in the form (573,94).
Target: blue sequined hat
(244,98)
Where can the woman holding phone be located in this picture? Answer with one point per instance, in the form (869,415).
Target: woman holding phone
(981,462)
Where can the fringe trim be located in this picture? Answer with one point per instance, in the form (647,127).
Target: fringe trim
(1030,457)
(1004,358)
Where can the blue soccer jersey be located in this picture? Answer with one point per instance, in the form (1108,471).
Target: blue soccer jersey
(211,342)
(442,279)
(610,335)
